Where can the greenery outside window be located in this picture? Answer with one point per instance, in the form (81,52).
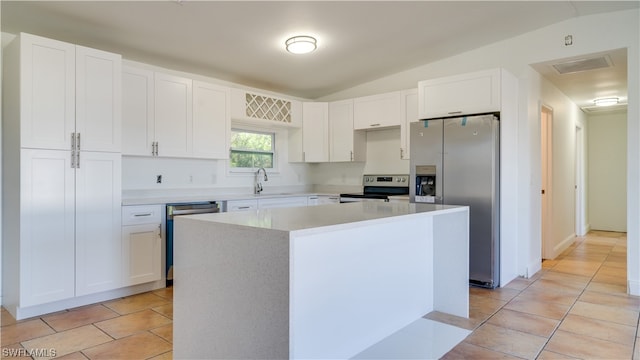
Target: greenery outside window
(252,149)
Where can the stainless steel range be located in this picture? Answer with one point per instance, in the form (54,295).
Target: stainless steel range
(379,188)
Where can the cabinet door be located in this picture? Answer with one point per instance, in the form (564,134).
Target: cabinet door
(211,121)
(47,93)
(377,111)
(410,115)
(99,99)
(173,115)
(315,131)
(141,254)
(137,111)
(465,94)
(98,222)
(345,144)
(47,260)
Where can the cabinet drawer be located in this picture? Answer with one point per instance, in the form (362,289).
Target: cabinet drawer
(241,205)
(141,214)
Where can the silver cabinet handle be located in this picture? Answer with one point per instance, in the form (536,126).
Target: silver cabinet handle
(147,214)
(244,207)
(351,155)
(73,150)
(454,112)
(374,125)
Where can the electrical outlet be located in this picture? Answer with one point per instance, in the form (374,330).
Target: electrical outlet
(158,179)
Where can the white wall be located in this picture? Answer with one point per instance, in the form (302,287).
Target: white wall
(607,157)
(596,33)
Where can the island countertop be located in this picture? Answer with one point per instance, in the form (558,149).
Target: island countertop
(332,215)
(329,281)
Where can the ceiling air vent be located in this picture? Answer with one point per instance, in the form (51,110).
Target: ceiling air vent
(579,65)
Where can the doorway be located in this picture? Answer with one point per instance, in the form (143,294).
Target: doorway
(580,188)
(546,163)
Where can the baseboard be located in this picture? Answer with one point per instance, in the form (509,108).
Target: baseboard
(20,313)
(633,287)
(563,245)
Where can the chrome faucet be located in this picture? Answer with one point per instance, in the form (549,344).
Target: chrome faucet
(258,187)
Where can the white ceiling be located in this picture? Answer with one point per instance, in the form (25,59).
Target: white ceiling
(359,41)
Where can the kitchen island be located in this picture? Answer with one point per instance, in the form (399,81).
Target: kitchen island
(319,282)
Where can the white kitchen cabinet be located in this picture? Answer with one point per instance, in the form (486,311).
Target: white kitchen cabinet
(138,121)
(241,205)
(289,201)
(315,131)
(409,115)
(62,173)
(313,200)
(345,144)
(67,90)
(44,238)
(173,115)
(98,222)
(472,93)
(211,121)
(377,111)
(141,244)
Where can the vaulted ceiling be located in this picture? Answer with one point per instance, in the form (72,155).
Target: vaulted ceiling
(243,41)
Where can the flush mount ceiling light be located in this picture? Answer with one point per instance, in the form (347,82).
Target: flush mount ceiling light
(606,101)
(300,44)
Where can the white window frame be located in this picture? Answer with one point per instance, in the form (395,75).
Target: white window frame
(276,148)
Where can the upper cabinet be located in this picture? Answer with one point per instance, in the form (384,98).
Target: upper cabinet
(266,110)
(377,111)
(315,131)
(172,116)
(345,144)
(138,125)
(409,115)
(472,93)
(67,89)
(211,121)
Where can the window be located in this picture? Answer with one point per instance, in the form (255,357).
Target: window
(252,149)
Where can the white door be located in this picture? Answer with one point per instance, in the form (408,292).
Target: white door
(47,260)
(341,130)
(47,93)
(315,131)
(546,122)
(98,222)
(98,99)
(137,112)
(142,252)
(211,121)
(173,115)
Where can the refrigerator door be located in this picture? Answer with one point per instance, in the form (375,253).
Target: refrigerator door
(471,169)
(426,150)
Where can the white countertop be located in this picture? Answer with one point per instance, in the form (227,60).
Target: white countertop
(332,215)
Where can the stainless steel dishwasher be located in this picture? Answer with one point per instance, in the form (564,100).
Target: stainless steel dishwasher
(179,209)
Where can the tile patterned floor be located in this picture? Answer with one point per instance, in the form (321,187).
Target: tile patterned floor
(575,308)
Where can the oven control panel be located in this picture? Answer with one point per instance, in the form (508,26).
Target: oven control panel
(385,180)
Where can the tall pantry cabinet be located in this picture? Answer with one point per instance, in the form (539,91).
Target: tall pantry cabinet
(62,172)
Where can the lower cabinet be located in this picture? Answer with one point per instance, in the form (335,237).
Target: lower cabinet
(141,244)
(293,201)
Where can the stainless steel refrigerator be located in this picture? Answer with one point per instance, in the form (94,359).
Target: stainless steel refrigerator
(456,161)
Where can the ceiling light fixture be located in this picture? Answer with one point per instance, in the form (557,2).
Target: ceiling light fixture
(606,101)
(301,44)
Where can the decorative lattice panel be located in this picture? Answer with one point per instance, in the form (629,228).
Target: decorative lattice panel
(263,107)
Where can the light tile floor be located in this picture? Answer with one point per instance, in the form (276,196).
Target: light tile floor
(575,308)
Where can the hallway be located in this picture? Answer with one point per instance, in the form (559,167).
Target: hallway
(575,308)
